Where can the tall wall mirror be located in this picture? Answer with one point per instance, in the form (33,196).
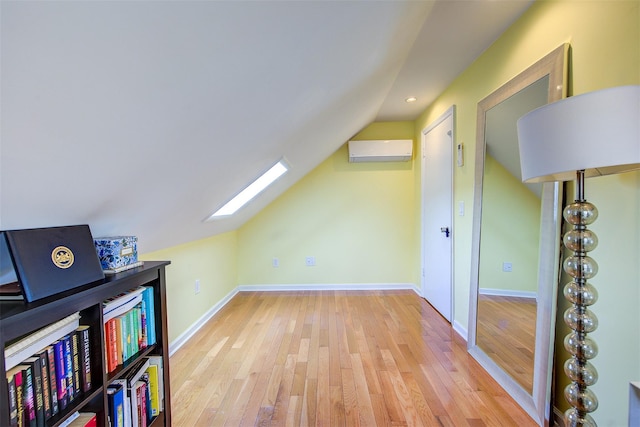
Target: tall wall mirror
(516,244)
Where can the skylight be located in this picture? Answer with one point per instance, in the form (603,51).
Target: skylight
(251,191)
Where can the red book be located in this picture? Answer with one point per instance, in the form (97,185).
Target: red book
(52,379)
(111,345)
(141,396)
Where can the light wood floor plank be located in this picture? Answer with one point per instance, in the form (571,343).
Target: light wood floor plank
(333,358)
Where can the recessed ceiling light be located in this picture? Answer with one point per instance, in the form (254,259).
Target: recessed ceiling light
(251,191)
(411,99)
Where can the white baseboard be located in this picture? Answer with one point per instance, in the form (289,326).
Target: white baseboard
(331,287)
(508,293)
(191,330)
(461,330)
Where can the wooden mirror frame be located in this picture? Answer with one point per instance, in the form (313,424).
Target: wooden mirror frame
(538,403)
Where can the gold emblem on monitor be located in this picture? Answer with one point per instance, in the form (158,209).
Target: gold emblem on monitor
(62,257)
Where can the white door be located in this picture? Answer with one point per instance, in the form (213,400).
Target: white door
(437,205)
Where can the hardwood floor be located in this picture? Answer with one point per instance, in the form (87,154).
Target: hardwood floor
(333,358)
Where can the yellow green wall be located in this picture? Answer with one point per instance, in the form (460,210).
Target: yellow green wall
(510,232)
(354,218)
(605,52)
(212,261)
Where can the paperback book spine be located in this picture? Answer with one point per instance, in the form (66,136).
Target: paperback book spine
(17,377)
(13,402)
(38,394)
(52,379)
(61,376)
(28,399)
(117,324)
(46,383)
(150,315)
(68,367)
(115,397)
(85,357)
(75,354)
(110,345)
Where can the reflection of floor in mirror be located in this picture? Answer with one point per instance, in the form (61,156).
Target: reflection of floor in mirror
(506,333)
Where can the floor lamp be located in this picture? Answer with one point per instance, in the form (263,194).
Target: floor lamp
(582,136)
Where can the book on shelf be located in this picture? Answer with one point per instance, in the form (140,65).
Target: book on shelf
(75,358)
(68,367)
(52,379)
(83,333)
(129,325)
(122,337)
(46,383)
(150,317)
(121,303)
(132,339)
(143,338)
(126,336)
(28,398)
(84,419)
(140,388)
(17,351)
(69,419)
(132,378)
(126,403)
(157,361)
(36,386)
(119,339)
(135,321)
(61,376)
(110,346)
(14,383)
(154,394)
(115,398)
(141,341)
(147,397)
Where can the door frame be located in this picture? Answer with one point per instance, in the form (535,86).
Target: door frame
(450,112)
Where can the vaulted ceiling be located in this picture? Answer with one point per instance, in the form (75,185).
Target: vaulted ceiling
(144,117)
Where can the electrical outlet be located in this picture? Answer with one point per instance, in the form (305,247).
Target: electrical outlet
(310,261)
(275,263)
(507,267)
(197,287)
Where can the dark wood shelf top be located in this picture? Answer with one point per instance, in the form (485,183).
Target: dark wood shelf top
(18,318)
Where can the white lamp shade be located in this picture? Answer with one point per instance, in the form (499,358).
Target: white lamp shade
(598,132)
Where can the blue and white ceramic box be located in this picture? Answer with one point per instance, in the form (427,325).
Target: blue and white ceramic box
(116,252)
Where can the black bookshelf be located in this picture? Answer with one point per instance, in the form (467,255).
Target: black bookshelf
(19,319)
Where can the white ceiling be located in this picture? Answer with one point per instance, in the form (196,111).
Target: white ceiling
(144,117)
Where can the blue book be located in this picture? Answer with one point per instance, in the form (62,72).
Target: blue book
(68,367)
(115,397)
(61,376)
(150,317)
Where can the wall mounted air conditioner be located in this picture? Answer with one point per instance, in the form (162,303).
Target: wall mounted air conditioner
(390,150)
